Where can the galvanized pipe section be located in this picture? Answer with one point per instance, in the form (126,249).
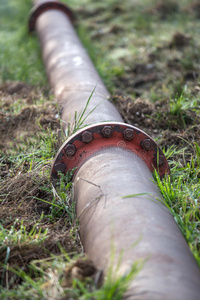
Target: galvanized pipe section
(141,226)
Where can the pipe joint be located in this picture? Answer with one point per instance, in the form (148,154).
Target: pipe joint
(44,6)
(91,139)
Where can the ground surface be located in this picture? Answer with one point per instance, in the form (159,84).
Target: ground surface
(148,54)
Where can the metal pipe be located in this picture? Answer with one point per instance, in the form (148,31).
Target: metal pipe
(70,71)
(141,227)
(114,160)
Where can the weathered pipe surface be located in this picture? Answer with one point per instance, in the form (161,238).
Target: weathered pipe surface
(70,71)
(141,225)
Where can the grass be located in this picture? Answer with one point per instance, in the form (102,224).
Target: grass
(79,119)
(181,192)
(39,230)
(21,235)
(16,45)
(183,102)
(52,277)
(62,202)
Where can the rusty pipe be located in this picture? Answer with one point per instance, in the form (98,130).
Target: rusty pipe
(114,160)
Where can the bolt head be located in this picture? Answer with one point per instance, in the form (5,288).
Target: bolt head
(107,131)
(70,150)
(60,167)
(87,137)
(159,160)
(146,144)
(128,134)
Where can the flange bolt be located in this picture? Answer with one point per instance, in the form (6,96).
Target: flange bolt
(60,167)
(107,131)
(87,137)
(128,134)
(70,150)
(146,144)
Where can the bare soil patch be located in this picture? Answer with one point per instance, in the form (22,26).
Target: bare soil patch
(14,128)
(156,119)
(165,8)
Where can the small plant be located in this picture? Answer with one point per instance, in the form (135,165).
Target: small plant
(79,119)
(182,103)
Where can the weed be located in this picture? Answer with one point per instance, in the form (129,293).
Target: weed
(79,119)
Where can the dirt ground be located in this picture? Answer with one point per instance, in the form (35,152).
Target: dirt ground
(26,122)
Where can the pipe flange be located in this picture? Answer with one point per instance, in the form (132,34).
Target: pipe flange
(89,140)
(38,9)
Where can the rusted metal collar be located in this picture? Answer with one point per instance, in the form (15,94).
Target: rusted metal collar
(86,142)
(40,8)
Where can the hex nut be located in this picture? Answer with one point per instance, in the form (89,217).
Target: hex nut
(146,144)
(107,131)
(159,160)
(87,137)
(70,150)
(128,134)
(60,167)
